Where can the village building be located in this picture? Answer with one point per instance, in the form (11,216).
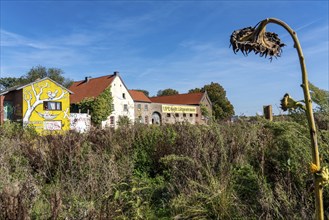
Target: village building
(194,108)
(43,104)
(142,105)
(123,104)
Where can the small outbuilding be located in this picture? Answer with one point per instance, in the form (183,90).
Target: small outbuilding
(43,104)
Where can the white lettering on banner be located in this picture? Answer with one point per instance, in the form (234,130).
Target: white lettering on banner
(178,109)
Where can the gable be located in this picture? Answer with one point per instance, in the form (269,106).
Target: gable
(46,106)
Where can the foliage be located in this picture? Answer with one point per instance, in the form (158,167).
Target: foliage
(100,107)
(241,170)
(204,110)
(7,82)
(222,107)
(321,109)
(167,92)
(123,121)
(320,97)
(35,73)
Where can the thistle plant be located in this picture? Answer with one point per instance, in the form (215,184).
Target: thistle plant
(256,39)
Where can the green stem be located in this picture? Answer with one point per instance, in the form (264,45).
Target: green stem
(309,112)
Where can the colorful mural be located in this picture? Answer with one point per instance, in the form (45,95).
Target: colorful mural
(46,106)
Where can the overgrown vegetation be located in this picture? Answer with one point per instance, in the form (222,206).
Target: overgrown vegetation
(100,107)
(243,170)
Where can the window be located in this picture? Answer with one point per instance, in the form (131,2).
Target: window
(184,115)
(124,95)
(139,106)
(196,115)
(191,115)
(146,107)
(125,107)
(112,120)
(113,107)
(140,119)
(176,115)
(146,119)
(52,106)
(168,115)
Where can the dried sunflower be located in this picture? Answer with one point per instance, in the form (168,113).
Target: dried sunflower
(258,40)
(289,103)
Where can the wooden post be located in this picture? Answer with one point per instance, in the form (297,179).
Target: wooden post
(267,109)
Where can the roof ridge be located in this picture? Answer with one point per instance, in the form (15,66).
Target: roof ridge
(178,94)
(92,78)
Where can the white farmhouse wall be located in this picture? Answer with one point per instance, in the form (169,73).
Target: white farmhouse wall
(119,101)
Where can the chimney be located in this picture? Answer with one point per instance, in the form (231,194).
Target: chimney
(116,73)
(87,78)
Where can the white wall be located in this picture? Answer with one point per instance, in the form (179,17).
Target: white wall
(117,89)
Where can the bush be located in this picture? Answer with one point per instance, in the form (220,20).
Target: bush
(242,170)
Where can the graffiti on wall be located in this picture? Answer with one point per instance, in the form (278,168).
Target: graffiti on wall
(46,102)
(52,125)
(80,122)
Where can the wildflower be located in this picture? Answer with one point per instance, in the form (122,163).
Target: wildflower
(314,168)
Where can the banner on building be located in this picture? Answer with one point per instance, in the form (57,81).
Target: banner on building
(178,109)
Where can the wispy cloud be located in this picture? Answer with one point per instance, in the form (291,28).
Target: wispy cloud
(9,39)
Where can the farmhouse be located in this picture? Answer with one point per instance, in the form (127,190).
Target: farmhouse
(123,104)
(194,108)
(44,104)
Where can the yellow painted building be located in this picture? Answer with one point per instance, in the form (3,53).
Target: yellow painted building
(43,104)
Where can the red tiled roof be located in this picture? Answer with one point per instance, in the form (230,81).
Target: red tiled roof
(139,96)
(93,88)
(184,99)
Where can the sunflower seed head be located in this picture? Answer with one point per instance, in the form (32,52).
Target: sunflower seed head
(251,39)
(289,103)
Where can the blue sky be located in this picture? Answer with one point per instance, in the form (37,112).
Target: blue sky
(167,44)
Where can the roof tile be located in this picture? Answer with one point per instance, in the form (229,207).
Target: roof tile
(185,99)
(91,88)
(139,96)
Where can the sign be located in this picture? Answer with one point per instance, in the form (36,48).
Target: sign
(178,109)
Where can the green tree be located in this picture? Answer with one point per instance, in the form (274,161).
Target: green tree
(167,92)
(123,121)
(100,107)
(320,97)
(7,82)
(222,107)
(35,73)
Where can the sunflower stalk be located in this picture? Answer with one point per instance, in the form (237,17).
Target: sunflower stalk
(269,44)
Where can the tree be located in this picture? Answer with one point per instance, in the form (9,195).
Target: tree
(320,97)
(222,107)
(7,82)
(167,92)
(100,107)
(35,73)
